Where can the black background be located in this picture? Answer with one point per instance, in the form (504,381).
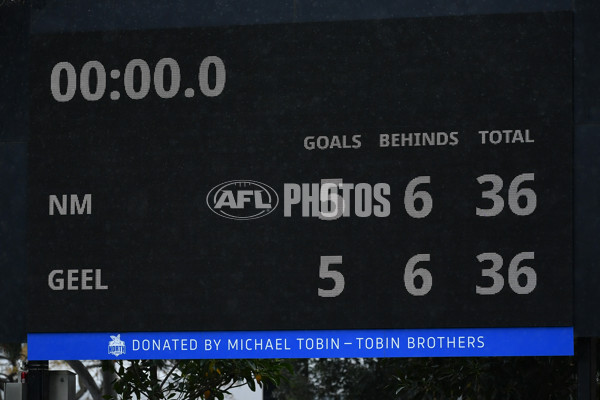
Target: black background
(14,130)
(172,264)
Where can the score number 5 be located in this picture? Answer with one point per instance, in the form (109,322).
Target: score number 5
(336,276)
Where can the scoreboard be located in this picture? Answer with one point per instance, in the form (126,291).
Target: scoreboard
(341,177)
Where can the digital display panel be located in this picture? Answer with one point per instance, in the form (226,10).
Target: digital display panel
(386,174)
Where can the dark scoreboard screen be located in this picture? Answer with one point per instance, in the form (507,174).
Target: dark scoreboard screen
(385,174)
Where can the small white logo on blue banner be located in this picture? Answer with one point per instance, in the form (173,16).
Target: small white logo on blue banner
(116,346)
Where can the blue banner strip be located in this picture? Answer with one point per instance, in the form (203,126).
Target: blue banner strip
(472,342)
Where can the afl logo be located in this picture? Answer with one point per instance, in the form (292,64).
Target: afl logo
(243,199)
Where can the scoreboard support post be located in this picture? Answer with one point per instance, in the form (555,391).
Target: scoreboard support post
(586,353)
(37,380)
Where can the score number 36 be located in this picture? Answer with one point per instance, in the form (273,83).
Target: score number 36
(418,281)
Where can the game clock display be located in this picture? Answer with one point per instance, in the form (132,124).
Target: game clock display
(92,80)
(385,174)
